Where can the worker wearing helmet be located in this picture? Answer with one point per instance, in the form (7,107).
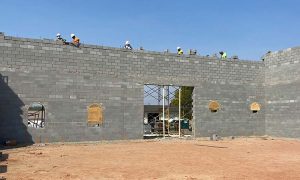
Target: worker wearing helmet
(127,45)
(75,41)
(223,55)
(179,51)
(60,39)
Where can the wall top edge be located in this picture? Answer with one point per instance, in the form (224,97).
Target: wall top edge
(47,42)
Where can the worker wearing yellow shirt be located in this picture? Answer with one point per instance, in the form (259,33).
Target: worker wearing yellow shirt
(179,51)
(223,55)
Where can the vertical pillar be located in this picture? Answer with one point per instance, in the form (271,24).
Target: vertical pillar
(158,95)
(179,117)
(163,111)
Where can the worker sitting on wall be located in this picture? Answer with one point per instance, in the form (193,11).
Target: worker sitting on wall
(127,45)
(223,55)
(75,42)
(60,39)
(179,51)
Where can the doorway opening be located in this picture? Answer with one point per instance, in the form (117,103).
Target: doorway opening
(168,111)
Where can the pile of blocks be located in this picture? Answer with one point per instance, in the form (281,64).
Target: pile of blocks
(2,168)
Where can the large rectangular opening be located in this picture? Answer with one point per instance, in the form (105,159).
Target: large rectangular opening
(168,111)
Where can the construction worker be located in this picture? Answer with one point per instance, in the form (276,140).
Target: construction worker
(75,42)
(223,55)
(179,51)
(60,39)
(127,45)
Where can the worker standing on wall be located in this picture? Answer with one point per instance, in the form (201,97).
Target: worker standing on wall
(223,55)
(127,45)
(179,51)
(75,42)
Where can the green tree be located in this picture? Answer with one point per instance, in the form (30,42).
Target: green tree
(186,101)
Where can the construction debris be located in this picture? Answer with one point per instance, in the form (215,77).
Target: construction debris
(10,143)
(215,137)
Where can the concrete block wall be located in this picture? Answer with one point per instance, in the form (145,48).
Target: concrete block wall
(66,80)
(282,88)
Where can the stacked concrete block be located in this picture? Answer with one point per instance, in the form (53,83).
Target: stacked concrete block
(67,79)
(282,93)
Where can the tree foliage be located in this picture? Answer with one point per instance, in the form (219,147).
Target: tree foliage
(186,101)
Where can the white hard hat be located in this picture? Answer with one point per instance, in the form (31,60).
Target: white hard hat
(127,42)
(57,35)
(178,48)
(72,35)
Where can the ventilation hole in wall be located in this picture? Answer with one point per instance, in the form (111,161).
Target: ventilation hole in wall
(95,115)
(255,107)
(213,106)
(36,115)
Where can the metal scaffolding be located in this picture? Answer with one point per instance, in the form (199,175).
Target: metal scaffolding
(164,96)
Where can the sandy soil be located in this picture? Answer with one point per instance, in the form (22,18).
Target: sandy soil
(251,158)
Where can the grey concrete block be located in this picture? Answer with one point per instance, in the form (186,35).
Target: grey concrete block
(68,79)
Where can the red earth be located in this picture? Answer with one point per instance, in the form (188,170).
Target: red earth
(241,158)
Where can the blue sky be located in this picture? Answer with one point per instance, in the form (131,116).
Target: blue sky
(244,28)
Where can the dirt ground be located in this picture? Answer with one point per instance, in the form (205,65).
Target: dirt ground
(242,158)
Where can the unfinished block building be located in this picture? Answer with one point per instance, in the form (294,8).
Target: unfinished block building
(51,92)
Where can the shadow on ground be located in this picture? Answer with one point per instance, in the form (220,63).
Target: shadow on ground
(221,147)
